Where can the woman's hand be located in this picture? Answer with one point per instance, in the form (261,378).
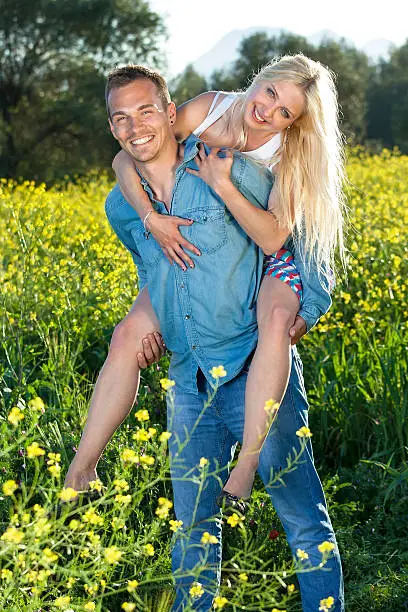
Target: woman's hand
(212,169)
(165,230)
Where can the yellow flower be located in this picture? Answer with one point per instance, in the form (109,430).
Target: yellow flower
(92,517)
(326,604)
(132,585)
(291,588)
(74,524)
(218,372)
(9,487)
(207,538)
(271,407)
(163,508)
(141,435)
(220,602)
(39,510)
(34,450)
(152,431)
(243,577)
(235,520)
(164,436)
(123,499)
(117,523)
(146,460)
(13,535)
(95,485)
(62,602)
(55,470)
(121,485)
(196,590)
(15,416)
(276,610)
(48,556)
(128,607)
(148,550)
(53,458)
(36,404)
(166,383)
(41,527)
(325,547)
(112,555)
(175,525)
(142,415)
(203,462)
(67,494)
(304,432)
(70,582)
(129,456)
(302,555)
(89,606)
(6,574)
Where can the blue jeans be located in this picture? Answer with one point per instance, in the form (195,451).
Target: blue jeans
(300,504)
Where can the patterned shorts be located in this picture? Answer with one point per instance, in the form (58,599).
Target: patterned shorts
(281,265)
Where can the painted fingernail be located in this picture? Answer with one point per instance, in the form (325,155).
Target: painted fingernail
(191,265)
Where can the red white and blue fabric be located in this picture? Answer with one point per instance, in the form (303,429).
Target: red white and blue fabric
(281,265)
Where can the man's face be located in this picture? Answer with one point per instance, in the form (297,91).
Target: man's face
(138,120)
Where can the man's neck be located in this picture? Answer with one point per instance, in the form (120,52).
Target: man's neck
(160,173)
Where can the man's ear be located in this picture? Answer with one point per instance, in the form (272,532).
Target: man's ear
(171,112)
(112,129)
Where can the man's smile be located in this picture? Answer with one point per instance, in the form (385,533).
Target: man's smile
(142,140)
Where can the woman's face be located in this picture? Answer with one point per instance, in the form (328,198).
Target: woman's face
(274,106)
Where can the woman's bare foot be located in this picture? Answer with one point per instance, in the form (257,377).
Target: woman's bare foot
(79,478)
(241,479)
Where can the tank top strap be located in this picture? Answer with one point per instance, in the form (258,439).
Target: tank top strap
(214,113)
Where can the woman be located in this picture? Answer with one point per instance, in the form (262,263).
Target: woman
(287,119)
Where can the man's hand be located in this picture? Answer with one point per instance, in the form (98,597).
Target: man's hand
(165,229)
(297,330)
(153,349)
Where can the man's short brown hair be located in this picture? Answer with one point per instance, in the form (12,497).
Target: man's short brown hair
(124,75)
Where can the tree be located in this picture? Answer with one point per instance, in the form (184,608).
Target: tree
(187,85)
(52,58)
(388,101)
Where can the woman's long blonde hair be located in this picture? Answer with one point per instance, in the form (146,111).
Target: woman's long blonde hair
(308,195)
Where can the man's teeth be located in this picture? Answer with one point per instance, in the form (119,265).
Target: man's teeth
(257,115)
(139,141)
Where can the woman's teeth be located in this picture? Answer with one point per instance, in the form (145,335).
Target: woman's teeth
(258,116)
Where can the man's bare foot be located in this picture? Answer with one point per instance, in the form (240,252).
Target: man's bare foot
(79,479)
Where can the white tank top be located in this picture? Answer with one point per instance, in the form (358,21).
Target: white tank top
(262,153)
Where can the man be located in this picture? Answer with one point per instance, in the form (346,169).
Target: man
(207,317)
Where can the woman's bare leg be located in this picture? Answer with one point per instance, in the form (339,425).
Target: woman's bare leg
(267,378)
(115,390)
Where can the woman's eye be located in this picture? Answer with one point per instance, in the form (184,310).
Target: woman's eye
(285,113)
(271,91)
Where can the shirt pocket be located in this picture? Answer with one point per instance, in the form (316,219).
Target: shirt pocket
(150,251)
(208,232)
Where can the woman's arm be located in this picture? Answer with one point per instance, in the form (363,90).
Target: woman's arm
(260,225)
(164,228)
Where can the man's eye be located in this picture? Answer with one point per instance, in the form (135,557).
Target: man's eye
(119,119)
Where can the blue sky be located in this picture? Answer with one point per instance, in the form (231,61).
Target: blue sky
(194,26)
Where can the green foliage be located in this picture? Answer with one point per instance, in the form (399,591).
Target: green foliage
(53,56)
(187,85)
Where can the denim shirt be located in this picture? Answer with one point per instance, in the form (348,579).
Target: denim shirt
(208,314)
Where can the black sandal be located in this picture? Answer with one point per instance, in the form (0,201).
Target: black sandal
(228,502)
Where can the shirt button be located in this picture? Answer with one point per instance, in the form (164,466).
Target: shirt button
(182,285)
(194,347)
(187,317)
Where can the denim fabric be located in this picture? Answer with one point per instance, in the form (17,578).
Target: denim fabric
(300,503)
(207,314)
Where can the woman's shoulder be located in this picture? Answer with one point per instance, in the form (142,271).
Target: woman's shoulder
(192,113)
